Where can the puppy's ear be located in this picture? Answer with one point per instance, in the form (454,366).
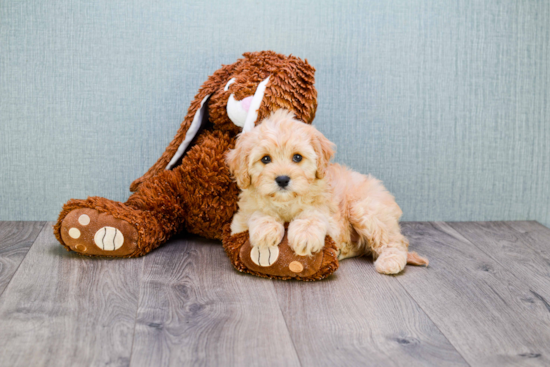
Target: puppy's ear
(324,149)
(237,161)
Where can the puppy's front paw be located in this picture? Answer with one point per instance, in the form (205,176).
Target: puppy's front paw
(266,233)
(391,261)
(306,237)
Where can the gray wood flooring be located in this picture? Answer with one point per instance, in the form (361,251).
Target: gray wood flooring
(484,301)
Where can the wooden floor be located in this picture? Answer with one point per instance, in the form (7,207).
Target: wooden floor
(484,301)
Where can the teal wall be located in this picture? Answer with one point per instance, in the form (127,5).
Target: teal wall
(447,102)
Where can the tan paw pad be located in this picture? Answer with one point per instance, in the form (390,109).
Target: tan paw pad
(80,248)
(84,219)
(296,267)
(74,233)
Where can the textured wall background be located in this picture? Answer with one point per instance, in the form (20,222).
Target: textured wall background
(446,101)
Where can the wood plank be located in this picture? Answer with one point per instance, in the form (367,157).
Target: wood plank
(63,309)
(484,310)
(516,250)
(359,317)
(196,310)
(534,235)
(16,238)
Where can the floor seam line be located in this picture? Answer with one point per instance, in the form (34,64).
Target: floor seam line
(494,259)
(286,325)
(137,309)
(24,257)
(520,238)
(433,322)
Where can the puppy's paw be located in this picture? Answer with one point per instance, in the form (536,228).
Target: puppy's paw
(391,261)
(306,237)
(266,233)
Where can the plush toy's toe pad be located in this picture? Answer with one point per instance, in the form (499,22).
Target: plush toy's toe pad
(265,256)
(90,232)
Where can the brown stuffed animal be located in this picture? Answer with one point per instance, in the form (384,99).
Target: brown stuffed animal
(190,187)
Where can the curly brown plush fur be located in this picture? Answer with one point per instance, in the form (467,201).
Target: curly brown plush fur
(198,194)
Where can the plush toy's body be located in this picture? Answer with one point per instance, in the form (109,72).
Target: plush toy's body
(190,187)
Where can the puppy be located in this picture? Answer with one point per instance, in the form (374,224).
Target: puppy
(282,167)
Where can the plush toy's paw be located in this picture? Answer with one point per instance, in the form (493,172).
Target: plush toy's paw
(391,261)
(282,264)
(305,238)
(89,232)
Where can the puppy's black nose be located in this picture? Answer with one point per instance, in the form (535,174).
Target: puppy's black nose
(282,181)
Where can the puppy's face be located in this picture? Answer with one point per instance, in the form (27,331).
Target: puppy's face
(280,158)
(283,165)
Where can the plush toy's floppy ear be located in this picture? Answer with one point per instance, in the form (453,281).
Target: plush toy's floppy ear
(324,149)
(199,120)
(255,105)
(215,82)
(237,161)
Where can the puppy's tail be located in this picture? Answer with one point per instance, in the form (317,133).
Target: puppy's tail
(414,259)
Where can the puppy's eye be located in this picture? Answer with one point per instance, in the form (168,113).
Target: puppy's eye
(266,159)
(297,158)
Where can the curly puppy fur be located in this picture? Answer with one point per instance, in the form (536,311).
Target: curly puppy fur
(319,198)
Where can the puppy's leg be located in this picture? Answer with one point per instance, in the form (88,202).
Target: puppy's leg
(392,259)
(349,250)
(378,228)
(306,233)
(240,222)
(265,231)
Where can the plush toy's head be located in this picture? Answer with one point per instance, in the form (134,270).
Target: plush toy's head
(235,98)
(264,82)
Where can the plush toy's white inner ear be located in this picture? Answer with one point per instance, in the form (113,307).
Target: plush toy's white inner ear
(242,114)
(231,81)
(235,111)
(255,105)
(191,132)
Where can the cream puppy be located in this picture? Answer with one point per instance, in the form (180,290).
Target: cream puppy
(282,167)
